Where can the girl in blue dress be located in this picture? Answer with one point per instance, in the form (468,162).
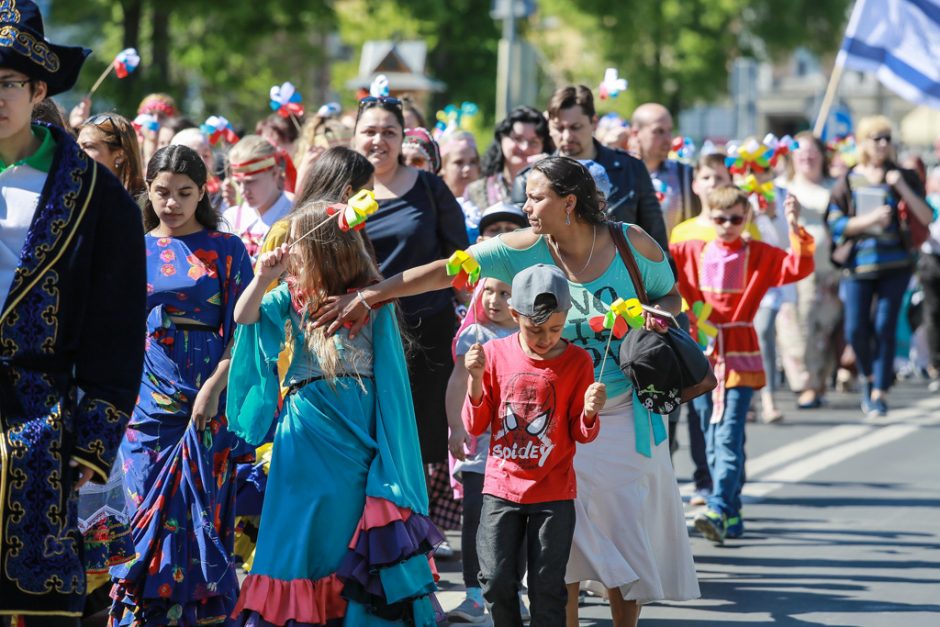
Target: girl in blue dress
(344,536)
(177,450)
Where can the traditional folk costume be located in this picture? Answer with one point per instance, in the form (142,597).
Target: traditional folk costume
(732,279)
(72,283)
(178,481)
(344,536)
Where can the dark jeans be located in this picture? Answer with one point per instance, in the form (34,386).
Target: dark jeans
(547,529)
(701,477)
(472,505)
(874,339)
(928,270)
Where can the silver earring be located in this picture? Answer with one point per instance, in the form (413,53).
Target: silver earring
(568,218)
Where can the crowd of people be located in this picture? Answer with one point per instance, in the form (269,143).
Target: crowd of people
(308,354)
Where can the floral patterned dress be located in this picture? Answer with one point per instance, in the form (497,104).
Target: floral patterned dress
(179,482)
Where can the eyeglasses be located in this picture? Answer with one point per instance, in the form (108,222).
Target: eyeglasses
(9,87)
(735,220)
(886,138)
(373,101)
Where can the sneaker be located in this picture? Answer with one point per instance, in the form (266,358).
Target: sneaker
(735,526)
(469,611)
(934,385)
(868,406)
(444,550)
(879,408)
(523,610)
(700,497)
(712,525)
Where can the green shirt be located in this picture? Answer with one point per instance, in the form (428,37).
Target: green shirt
(41,159)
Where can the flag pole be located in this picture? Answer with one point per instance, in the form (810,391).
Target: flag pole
(834,79)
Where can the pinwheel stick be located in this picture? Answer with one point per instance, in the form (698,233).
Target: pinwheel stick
(293,118)
(100,80)
(335,216)
(600,377)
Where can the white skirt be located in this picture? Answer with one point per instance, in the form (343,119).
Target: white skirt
(630,532)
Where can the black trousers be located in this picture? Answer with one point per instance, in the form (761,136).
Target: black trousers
(928,271)
(472,507)
(547,529)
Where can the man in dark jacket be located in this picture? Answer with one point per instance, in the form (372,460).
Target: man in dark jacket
(571,122)
(73,288)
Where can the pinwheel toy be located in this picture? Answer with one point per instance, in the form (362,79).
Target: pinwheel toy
(780,147)
(453,118)
(765,191)
(612,84)
(123,66)
(217,128)
(683,148)
(700,312)
(352,215)
(464,269)
(621,314)
(661,189)
(330,110)
(146,122)
(286,101)
(379,87)
(751,157)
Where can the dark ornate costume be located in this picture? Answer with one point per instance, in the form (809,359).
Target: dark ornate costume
(72,332)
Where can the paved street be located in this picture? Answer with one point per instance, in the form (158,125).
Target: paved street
(842,518)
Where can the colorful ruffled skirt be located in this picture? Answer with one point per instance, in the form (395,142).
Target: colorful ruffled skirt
(327,552)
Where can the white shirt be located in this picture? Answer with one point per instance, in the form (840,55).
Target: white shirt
(251,227)
(20,188)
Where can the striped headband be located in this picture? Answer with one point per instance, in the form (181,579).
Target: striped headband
(254,166)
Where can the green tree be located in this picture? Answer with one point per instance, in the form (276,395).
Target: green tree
(678,51)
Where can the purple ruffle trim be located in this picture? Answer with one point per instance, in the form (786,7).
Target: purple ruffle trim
(385,546)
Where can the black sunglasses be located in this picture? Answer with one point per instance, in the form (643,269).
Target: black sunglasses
(373,101)
(881,138)
(735,220)
(99,119)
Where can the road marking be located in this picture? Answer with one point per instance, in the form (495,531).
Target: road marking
(800,460)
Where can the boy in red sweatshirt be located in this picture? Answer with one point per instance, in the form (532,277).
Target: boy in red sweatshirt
(731,275)
(537,395)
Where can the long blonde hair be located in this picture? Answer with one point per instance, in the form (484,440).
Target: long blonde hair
(326,263)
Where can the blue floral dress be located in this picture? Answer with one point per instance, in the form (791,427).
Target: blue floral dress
(179,482)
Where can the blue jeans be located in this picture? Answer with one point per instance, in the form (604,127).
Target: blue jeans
(874,340)
(724,448)
(701,476)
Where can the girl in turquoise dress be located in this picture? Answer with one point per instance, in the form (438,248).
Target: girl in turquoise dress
(344,536)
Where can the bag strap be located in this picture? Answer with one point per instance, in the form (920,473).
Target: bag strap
(629,260)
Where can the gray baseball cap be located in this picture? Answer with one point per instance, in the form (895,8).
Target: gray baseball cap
(531,287)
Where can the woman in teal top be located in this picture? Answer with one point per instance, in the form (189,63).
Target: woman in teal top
(630,532)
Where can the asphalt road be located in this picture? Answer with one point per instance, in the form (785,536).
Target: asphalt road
(842,520)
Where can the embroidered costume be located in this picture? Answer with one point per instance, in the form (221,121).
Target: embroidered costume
(344,537)
(71,349)
(178,481)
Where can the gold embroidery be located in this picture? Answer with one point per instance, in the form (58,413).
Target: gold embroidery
(22,42)
(8,12)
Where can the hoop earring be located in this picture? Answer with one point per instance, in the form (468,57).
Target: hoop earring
(568,218)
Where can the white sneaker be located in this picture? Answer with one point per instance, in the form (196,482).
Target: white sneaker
(444,550)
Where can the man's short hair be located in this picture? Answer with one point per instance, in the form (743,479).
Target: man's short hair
(570,96)
(725,198)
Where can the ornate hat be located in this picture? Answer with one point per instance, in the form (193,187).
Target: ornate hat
(23,47)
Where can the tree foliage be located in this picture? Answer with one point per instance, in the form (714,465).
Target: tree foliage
(222,57)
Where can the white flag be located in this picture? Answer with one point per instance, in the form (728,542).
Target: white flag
(899,42)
